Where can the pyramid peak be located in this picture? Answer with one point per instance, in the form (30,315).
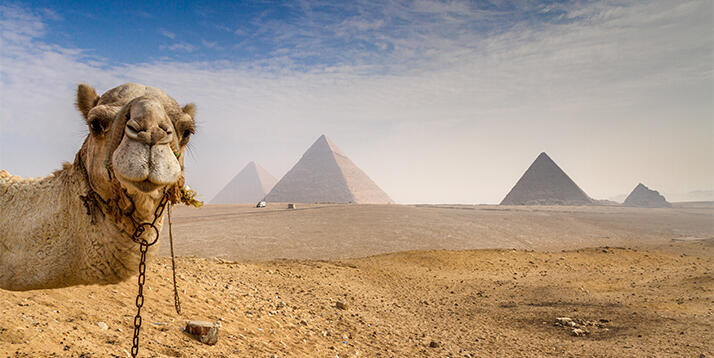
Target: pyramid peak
(324,143)
(543,155)
(323,138)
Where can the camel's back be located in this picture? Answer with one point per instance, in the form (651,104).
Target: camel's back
(47,239)
(20,201)
(17,192)
(32,211)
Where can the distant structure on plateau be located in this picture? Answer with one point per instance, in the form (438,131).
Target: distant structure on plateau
(324,174)
(544,183)
(645,197)
(248,187)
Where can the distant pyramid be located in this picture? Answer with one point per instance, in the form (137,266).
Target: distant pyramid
(325,175)
(248,186)
(643,196)
(544,183)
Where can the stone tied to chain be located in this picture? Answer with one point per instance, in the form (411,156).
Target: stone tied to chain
(205,332)
(187,196)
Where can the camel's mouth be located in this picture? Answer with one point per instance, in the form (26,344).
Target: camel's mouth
(144,167)
(145,186)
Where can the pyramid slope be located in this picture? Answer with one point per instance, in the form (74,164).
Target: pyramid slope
(544,183)
(249,186)
(645,197)
(324,174)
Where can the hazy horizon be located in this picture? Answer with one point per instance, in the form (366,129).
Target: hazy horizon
(438,102)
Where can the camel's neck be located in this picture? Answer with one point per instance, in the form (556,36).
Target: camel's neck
(47,238)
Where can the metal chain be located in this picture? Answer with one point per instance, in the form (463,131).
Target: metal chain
(139,298)
(177,302)
(143,248)
(139,230)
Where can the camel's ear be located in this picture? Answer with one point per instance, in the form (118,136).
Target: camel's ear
(189,109)
(86,98)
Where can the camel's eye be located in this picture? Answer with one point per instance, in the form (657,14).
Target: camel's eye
(96,126)
(186,129)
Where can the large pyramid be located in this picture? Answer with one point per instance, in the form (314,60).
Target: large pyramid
(645,197)
(324,174)
(249,186)
(544,183)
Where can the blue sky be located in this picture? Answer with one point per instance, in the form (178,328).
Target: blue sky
(438,101)
(302,33)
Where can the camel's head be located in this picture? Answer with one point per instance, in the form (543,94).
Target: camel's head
(137,131)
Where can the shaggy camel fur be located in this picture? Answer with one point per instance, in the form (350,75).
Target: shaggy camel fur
(74,226)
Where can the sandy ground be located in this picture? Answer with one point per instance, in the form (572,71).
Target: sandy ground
(653,297)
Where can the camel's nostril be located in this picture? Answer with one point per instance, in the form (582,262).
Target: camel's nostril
(166,128)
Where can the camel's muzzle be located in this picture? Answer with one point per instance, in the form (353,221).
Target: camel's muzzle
(143,146)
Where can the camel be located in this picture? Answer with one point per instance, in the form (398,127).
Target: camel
(75,226)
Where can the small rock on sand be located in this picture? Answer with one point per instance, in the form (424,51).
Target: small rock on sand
(577,332)
(563,320)
(204,332)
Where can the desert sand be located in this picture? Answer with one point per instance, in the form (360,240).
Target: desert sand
(325,231)
(432,281)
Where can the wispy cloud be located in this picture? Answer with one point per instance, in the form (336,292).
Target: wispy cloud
(167,33)
(19,25)
(209,44)
(50,14)
(180,46)
(141,13)
(433,113)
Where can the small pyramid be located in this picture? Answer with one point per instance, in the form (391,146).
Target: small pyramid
(324,174)
(544,183)
(645,197)
(249,186)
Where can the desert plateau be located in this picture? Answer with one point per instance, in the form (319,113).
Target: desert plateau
(400,281)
